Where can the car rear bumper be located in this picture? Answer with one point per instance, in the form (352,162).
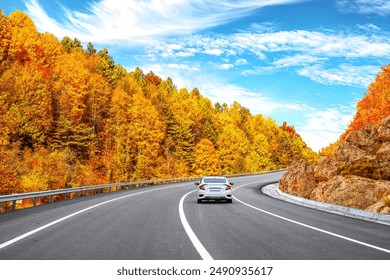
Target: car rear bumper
(215,196)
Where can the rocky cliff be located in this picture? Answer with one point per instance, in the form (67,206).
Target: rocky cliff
(356,174)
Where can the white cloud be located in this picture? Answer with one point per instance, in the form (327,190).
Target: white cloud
(360,76)
(297,60)
(256,102)
(313,43)
(262,70)
(134,21)
(41,19)
(215,52)
(313,54)
(380,7)
(324,127)
(369,27)
(221,92)
(241,61)
(225,66)
(183,67)
(299,42)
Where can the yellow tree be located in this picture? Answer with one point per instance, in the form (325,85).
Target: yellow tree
(259,157)
(206,159)
(10,165)
(44,170)
(375,105)
(25,38)
(232,149)
(96,114)
(25,105)
(271,130)
(26,100)
(371,109)
(48,51)
(80,95)
(137,133)
(239,114)
(5,40)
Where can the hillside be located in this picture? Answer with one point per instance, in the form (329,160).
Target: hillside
(355,171)
(70,116)
(371,109)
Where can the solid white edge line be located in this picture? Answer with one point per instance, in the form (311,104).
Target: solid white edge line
(16,239)
(311,227)
(194,239)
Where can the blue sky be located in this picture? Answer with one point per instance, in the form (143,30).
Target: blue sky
(304,62)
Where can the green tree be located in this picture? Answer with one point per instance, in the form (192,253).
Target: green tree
(71,45)
(91,49)
(108,69)
(79,138)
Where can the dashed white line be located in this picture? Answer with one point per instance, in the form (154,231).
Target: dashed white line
(311,227)
(194,239)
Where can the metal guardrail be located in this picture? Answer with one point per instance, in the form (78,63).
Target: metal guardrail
(85,190)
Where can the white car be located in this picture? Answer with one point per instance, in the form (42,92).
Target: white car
(214,188)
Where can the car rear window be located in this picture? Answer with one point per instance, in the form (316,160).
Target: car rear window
(214,180)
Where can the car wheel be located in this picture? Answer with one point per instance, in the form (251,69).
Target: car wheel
(199,201)
(230,200)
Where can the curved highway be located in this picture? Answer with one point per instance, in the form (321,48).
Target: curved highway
(166,222)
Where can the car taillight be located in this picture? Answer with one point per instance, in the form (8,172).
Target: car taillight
(202,187)
(228,187)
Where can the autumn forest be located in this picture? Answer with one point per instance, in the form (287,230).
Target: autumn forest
(70,116)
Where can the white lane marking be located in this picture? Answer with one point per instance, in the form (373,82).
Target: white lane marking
(16,239)
(194,239)
(311,227)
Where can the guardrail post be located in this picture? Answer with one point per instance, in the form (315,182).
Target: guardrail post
(35,201)
(51,198)
(13,205)
(65,196)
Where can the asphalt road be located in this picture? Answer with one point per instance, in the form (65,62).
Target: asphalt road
(165,222)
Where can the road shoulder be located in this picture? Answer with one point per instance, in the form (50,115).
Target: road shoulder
(273,191)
